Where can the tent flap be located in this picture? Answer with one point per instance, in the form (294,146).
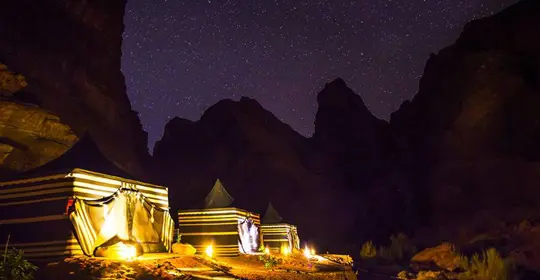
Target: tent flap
(126,216)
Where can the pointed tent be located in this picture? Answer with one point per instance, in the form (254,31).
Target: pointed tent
(271,216)
(218,197)
(278,232)
(126,216)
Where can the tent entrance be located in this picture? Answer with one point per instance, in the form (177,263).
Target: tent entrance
(116,248)
(124,225)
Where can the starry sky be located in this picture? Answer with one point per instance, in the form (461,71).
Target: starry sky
(180,57)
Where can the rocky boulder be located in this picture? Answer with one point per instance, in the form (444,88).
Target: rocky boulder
(443,256)
(30,137)
(183,249)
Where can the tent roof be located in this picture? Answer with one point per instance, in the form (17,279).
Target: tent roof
(218,197)
(85,154)
(271,216)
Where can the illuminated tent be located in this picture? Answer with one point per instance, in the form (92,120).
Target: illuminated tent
(231,230)
(278,233)
(127,217)
(218,197)
(271,216)
(36,202)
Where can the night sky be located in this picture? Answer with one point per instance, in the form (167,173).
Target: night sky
(180,57)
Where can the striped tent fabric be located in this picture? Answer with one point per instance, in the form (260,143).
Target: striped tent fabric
(125,215)
(277,235)
(37,204)
(231,231)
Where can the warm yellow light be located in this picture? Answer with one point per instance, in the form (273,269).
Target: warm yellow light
(209,251)
(312,252)
(285,250)
(307,252)
(126,252)
(267,251)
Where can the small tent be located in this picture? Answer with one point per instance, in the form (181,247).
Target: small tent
(230,230)
(277,233)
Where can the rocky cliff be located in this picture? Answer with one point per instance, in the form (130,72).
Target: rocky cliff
(470,135)
(463,150)
(463,147)
(69,52)
(259,159)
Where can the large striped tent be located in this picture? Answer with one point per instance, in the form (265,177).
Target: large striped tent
(278,233)
(231,231)
(33,207)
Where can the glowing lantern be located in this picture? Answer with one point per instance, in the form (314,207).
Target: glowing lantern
(126,252)
(285,250)
(307,252)
(209,251)
(267,250)
(312,252)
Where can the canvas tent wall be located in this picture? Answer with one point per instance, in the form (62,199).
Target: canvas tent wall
(230,230)
(277,233)
(34,202)
(36,205)
(126,216)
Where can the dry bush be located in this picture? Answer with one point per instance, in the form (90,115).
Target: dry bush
(489,266)
(368,250)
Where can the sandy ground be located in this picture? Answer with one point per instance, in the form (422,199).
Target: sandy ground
(170,266)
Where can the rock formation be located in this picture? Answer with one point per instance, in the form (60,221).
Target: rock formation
(258,158)
(261,159)
(464,146)
(470,135)
(30,137)
(69,52)
(464,150)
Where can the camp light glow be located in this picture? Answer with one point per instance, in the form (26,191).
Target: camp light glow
(285,250)
(308,253)
(126,252)
(209,250)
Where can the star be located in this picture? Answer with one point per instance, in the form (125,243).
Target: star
(180,57)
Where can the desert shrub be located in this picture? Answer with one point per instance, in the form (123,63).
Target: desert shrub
(400,248)
(489,266)
(269,260)
(368,250)
(403,275)
(13,266)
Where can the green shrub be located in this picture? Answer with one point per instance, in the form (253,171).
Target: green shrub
(368,250)
(400,248)
(490,266)
(403,275)
(269,260)
(13,266)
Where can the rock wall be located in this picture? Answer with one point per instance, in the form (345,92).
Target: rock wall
(466,145)
(470,135)
(69,52)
